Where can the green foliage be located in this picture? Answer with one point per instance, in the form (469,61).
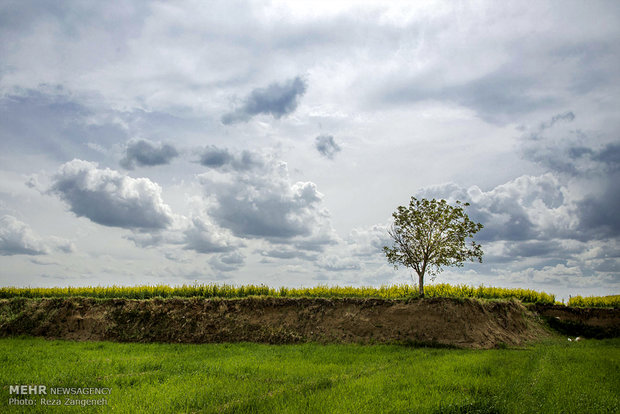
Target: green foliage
(230,291)
(552,377)
(429,235)
(595,301)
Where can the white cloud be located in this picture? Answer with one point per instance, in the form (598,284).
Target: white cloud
(17,238)
(256,199)
(110,198)
(203,236)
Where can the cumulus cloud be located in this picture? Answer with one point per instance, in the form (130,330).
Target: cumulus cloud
(361,250)
(60,244)
(528,207)
(16,237)
(534,223)
(110,198)
(215,157)
(204,237)
(145,153)
(550,229)
(583,163)
(327,146)
(221,158)
(368,241)
(255,198)
(147,239)
(575,200)
(277,99)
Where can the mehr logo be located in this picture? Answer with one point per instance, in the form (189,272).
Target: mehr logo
(58,395)
(27,389)
(42,390)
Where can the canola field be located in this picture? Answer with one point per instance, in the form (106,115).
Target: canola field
(230,291)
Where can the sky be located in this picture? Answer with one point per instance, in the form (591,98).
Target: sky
(269,142)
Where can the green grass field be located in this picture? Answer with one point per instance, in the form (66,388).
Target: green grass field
(551,377)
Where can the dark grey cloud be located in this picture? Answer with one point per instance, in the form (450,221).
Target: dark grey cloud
(533,248)
(566,116)
(16,238)
(570,151)
(577,159)
(610,265)
(593,167)
(277,99)
(221,158)
(327,146)
(145,153)
(497,97)
(110,198)
(214,157)
(598,212)
(553,152)
(608,156)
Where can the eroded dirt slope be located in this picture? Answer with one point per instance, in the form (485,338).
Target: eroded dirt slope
(588,322)
(463,323)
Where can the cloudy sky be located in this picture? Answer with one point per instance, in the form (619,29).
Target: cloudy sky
(270,141)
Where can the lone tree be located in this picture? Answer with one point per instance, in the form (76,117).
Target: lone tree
(429,235)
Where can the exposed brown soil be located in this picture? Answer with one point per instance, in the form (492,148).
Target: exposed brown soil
(463,323)
(588,322)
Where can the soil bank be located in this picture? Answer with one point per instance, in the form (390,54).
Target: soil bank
(465,323)
(586,322)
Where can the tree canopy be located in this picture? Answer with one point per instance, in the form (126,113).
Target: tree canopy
(429,235)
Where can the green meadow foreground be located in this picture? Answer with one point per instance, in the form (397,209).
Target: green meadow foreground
(549,377)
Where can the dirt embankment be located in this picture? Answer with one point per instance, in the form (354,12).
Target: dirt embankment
(463,323)
(588,322)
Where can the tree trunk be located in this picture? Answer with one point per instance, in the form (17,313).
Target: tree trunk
(421,284)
